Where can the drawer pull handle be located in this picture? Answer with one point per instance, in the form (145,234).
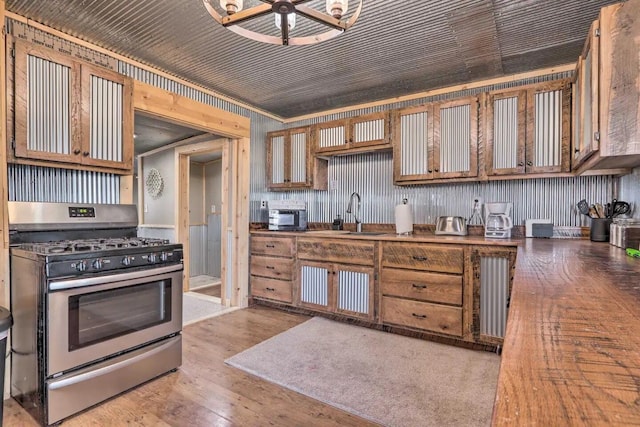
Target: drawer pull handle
(269,267)
(419,258)
(419,316)
(270,289)
(419,286)
(270,246)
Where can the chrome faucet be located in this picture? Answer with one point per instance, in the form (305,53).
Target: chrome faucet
(356,211)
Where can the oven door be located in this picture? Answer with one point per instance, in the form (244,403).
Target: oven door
(91,318)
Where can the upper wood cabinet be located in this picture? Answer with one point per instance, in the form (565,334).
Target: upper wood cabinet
(70,111)
(436,141)
(612,60)
(290,162)
(353,135)
(528,130)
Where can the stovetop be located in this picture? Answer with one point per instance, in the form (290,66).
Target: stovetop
(91,245)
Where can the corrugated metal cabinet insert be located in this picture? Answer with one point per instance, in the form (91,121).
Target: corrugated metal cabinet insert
(290,161)
(70,111)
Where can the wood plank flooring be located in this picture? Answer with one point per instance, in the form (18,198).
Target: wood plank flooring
(205,391)
(212,291)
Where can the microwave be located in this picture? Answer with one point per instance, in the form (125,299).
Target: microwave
(287,219)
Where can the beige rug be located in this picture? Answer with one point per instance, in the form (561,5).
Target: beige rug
(386,378)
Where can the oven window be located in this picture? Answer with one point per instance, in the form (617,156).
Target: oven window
(100,316)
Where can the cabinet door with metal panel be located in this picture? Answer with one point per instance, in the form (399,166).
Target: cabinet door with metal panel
(506,120)
(455,138)
(290,161)
(548,127)
(586,124)
(70,111)
(492,280)
(337,276)
(412,144)
(272,268)
(369,132)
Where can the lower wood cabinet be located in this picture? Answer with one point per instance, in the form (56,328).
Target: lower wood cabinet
(272,268)
(422,315)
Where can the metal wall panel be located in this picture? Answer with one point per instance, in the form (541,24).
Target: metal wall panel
(314,286)
(630,191)
(413,142)
(494,288)
(455,139)
(42,184)
(214,245)
(299,157)
(353,291)
(547,140)
(197,250)
(106,119)
(48,127)
(277,159)
(371,130)
(505,133)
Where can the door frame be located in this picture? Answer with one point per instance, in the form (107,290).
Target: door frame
(232,138)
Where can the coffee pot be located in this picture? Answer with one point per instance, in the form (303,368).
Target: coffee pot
(498,223)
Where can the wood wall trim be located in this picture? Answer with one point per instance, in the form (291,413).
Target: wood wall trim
(185,111)
(440,91)
(4,193)
(122,58)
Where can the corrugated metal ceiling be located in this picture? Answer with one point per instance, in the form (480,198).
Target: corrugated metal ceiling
(396,48)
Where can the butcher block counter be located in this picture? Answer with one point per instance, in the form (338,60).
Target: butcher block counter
(571,351)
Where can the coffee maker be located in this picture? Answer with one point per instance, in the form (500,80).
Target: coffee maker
(497,220)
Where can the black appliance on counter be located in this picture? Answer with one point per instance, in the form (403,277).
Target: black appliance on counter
(96,309)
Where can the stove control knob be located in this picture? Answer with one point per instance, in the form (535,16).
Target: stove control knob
(97,264)
(126,261)
(164,256)
(81,265)
(152,258)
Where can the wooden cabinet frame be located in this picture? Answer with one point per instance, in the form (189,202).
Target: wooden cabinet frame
(396,117)
(490,133)
(79,98)
(351,145)
(315,169)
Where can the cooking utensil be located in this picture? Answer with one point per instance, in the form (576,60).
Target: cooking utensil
(620,208)
(583,207)
(592,212)
(599,210)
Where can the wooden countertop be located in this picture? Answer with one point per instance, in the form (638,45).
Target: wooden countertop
(414,238)
(571,354)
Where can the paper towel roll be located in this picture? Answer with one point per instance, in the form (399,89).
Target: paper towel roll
(404,219)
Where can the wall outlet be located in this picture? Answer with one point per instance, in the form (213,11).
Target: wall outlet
(213,209)
(263,204)
(146,208)
(333,184)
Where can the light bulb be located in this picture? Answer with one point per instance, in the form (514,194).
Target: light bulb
(337,8)
(291,20)
(231,6)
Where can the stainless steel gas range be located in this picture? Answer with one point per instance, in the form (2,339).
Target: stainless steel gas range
(97,310)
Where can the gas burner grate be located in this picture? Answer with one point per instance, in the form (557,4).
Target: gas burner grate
(91,245)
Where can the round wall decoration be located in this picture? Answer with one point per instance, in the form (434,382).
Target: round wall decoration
(154,183)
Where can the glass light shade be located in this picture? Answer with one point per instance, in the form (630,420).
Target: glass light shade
(231,6)
(337,8)
(291,19)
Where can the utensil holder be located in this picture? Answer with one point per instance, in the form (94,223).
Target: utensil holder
(600,229)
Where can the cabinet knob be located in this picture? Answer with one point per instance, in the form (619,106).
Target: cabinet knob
(419,258)
(529,163)
(86,154)
(269,267)
(76,151)
(419,286)
(521,164)
(350,139)
(576,150)
(419,316)
(430,170)
(270,289)
(437,170)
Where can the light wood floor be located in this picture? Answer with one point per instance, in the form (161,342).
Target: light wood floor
(212,291)
(205,391)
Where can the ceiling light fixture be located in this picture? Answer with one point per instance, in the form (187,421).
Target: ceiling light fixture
(230,14)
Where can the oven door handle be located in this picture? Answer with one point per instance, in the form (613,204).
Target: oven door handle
(100,280)
(107,369)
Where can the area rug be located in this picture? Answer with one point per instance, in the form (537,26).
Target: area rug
(385,378)
(197,307)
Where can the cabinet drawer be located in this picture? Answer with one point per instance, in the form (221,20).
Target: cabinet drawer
(279,290)
(342,251)
(275,246)
(266,266)
(422,315)
(442,258)
(443,288)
